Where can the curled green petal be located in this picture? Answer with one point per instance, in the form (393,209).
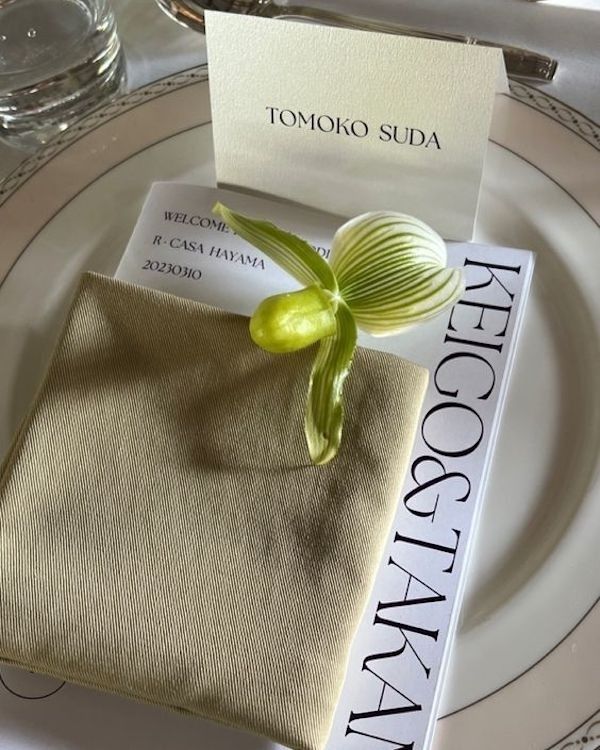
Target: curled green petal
(324,408)
(288,322)
(391,271)
(292,253)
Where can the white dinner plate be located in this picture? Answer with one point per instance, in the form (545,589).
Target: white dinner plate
(526,665)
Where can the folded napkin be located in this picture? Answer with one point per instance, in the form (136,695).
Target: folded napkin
(163,534)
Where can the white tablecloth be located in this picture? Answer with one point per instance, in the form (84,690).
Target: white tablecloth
(155,46)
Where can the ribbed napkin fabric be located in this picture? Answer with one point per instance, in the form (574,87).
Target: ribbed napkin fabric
(163,534)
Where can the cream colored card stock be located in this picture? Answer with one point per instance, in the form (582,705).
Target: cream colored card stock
(351,121)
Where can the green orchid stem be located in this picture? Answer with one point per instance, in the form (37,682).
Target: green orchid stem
(288,322)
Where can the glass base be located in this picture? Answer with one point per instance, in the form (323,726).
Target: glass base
(32,114)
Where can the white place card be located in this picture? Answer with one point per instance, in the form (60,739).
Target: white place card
(350,121)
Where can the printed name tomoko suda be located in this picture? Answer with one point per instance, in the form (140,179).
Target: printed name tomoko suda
(387,132)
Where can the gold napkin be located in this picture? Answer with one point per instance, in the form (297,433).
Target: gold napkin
(163,534)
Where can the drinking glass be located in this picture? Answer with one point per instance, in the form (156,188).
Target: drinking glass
(58,59)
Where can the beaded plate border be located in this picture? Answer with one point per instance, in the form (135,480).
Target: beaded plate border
(585,736)
(575,121)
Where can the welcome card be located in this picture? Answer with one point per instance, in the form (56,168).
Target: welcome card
(351,121)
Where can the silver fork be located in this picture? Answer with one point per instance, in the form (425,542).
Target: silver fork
(521,63)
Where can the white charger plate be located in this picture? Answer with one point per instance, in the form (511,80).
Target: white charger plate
(526,666)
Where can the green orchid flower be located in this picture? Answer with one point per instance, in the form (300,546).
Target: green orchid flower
(387,272)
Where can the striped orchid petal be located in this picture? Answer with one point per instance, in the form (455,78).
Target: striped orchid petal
(292,253)
(324,409)
(388,271)
(391,271)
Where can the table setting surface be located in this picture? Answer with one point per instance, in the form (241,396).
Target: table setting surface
(528,633)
